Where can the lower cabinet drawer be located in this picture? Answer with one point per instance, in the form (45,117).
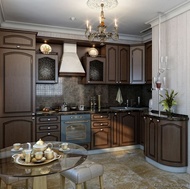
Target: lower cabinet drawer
(48,127)
(100,124)
(49,136)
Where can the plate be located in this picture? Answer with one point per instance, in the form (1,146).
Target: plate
(93,52)
(18,160)
(45,48)
(13,150)
(66,150)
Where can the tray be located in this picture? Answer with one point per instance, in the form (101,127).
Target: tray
(18,160)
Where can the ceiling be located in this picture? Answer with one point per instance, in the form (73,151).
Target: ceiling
(131,14)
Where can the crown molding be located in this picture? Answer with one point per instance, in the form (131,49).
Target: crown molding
(68,33)
(184,7)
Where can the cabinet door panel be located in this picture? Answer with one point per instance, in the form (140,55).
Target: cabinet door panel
(100,138)
(128,128)
(137,65)
(124,65)
(111,63)
(17,82)
(17,129)
(95,70)
(171,144)
(148,62)
(20,40)
(114,130)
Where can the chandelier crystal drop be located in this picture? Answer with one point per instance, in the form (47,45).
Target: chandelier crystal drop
(101,33)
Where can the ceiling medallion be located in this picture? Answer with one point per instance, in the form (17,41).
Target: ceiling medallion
(101,33)
(96,4)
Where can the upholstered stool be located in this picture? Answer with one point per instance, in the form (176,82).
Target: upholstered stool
(8,180)
(82,173)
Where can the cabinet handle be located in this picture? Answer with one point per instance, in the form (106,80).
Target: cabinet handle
(18,46)
(129,112)
(49,119)
(158,120)
(101,129)
(33,118)
(150,119)
(101,116)
(49,127)
(49,133)
(101,123)
(115,114)
(33,114)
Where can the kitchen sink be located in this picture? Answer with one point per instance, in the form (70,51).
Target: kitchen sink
(121,108)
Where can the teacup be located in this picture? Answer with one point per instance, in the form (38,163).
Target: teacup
(49,154)
(38,155)
(17,146)
(64,146)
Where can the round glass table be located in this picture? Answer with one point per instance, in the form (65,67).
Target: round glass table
(11,165)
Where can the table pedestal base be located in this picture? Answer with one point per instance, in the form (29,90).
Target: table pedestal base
(40,182)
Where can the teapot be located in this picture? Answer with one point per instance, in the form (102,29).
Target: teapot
(40,146)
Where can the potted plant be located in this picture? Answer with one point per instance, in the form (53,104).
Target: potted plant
(168,101)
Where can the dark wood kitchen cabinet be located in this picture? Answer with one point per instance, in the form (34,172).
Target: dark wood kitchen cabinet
(17,83)
(117,64)
(124,128)
(17,39)
(166,141)
(128,122)
(95,70)
(100,130)
(16,129)
(46,68)
(148,62)
(137,64)
(17,77)
(48,128)
(115,129)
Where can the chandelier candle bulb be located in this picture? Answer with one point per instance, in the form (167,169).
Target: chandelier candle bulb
(115,23)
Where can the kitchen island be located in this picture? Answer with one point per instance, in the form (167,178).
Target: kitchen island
(166,141)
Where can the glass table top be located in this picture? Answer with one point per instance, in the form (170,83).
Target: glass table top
(11,164)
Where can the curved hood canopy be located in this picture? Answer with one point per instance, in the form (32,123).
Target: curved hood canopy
(70,63)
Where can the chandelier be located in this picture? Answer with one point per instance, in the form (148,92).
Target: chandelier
(101,33)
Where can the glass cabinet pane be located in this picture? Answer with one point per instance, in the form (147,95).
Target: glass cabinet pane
(96,70)
(47,68)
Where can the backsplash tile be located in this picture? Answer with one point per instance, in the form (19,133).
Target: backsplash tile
(70,91)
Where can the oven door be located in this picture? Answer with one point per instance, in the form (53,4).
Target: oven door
(75,131)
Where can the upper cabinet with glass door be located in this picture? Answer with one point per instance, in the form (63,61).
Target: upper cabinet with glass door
(95,70)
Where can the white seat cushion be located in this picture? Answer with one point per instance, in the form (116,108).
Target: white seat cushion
(84,172)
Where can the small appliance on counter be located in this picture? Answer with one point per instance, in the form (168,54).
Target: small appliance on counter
(64,107)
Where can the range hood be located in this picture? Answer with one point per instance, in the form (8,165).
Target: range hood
(70,63)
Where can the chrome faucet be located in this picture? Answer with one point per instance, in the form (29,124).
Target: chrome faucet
(127,103)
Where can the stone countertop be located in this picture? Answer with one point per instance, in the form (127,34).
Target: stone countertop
(163,115)
(103,110)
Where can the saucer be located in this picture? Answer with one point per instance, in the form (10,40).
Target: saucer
(62,150)
(13,150)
